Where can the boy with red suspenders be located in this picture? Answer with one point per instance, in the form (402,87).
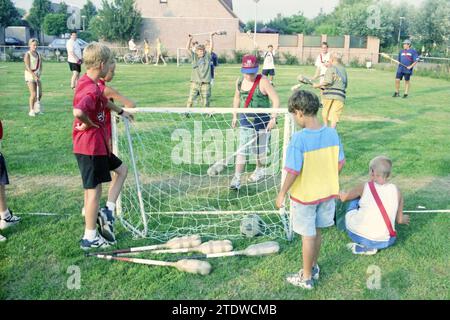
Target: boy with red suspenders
(375,206)
(253,91)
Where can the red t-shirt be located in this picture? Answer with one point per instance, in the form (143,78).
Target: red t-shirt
(102,85)
(89,99)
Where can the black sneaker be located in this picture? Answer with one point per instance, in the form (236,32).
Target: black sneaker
(98,243)
(395,95)
(405,96)
(105,223)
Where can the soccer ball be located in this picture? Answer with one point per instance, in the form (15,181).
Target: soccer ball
(215,169)
(252,226)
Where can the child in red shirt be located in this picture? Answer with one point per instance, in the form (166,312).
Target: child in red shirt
(90,146)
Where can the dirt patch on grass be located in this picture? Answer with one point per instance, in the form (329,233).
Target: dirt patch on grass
(21,185)
(371,119)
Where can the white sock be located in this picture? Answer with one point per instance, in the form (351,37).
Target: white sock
(5,215)
(90,234)
(111,206)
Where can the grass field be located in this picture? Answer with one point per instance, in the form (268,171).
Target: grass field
(36,261)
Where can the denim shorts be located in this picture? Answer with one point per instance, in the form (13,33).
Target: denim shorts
(306,218)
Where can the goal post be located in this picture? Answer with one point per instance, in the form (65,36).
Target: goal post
(171,190)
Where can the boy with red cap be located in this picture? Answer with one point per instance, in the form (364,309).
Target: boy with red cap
(253,91)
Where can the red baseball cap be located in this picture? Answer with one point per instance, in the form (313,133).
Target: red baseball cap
(249,64)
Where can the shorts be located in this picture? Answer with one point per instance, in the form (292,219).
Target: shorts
(306,218)
(203,90)
(253,142)
(75,67)
(96,169)
(400,75)
(332,110)
(3,172)
(268,72)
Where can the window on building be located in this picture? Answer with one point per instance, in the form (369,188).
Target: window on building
(162,1)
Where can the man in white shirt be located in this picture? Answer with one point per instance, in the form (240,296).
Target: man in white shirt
(269,65)
(74,58)
(322,63)
(132,46)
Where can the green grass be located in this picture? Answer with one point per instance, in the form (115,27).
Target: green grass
(413,132)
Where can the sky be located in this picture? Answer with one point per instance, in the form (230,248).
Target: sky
(245,9)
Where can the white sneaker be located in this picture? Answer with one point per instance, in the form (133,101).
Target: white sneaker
(9,221)
(2,238)
(83,212)
(356,248)
(31,114)
(257,175)
(235,183)
(298,280)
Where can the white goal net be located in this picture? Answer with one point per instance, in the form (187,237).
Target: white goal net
(181,163)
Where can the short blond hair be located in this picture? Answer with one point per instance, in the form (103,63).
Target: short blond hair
(33,40)
(381,166)
(336,56)
(95,54)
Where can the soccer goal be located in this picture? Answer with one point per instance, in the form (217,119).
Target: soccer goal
(181,162)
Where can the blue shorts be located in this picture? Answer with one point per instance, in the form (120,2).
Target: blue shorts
(401,74)
(268,72)
(306,218)
(3,172)
(370,244)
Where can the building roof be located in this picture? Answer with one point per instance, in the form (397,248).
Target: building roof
(228,4)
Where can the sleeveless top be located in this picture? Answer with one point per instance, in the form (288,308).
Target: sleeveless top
(256,121)
(35,65)
(367,221)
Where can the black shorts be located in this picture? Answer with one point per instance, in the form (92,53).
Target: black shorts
(268,72)
(400,75)
(3,172)
(96,169)
(75,67)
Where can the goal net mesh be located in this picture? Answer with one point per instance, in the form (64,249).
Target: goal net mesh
(180,169)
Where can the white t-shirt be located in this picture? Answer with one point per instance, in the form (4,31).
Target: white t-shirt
(269,60)
(132,45)
(367,221)
(73,51)
(321,62)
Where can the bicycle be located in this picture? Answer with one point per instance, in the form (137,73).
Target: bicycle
(133,57)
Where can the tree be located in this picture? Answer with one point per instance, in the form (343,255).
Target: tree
(118,20)
(63,7)
(38,11)
(8,13)
(89,11)
(55,24)
(432,25)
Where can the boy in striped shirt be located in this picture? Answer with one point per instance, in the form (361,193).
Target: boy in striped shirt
(313,161)
(334,86)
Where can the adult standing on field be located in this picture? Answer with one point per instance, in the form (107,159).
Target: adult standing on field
(408,59)
(159,52)
(74,58)
(322,63)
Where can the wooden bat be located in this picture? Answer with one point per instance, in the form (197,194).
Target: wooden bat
(191,266)
(385,55)
(213,246)
(255,250)
(175,243)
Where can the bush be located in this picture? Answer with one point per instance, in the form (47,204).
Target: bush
(290,59)
(355,63)
(222,58)
(87,36)
(238,55)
